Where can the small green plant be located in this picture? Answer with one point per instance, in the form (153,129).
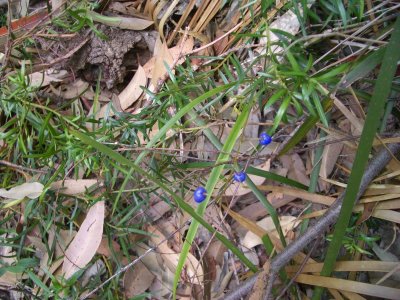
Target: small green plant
(77,17)
(351,239)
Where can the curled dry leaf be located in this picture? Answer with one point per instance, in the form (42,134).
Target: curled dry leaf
(296,168)
(155,67)
(164,57)
(72,90)
(31,190)
(193,267)
(122,22)
(129,95)
(87,240)
(329,157)
(287,223)
(44,78)
(242,189)
(133,90)
(73,187)
(137,280)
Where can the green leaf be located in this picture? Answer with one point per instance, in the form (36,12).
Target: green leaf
(364,67)
(308,124)
(21,265)
(293,62)
(332,74)
(275,177)
(275,97)
(279,115)
(320,109)
(342,11)
(210,186)
(179,115)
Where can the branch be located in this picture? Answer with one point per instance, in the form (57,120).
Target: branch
(375,166)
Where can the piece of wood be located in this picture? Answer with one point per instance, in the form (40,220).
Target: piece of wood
(21,26)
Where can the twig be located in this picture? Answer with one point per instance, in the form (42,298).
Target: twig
(214,41)
(14,166)
(374,168)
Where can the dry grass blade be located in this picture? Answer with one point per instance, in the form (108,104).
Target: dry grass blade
(350,286)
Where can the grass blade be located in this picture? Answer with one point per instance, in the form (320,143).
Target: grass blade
(308,124)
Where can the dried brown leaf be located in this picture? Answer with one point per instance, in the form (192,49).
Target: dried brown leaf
(137,280)
(71,90)
(31,190)
(73,187)
(287,223)
(164,57)
(296,168)
(193,267)
(86,242)
(133,90)
(329,157)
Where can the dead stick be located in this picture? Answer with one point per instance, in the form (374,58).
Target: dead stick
(375,166)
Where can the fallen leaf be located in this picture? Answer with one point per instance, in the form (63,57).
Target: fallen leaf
(178,52)
(193,267)
(84,246)
(379,291)
(73,187)
(329,157)
(296,168)
(164,57)
(105,249)
(122,22)
(287,223)
(44,78)
(137,280)
(71,90)
(31,190)
(133,90)
(220,45)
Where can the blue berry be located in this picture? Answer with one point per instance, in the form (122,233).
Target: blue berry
(265,139)
(239,177)
(200,194)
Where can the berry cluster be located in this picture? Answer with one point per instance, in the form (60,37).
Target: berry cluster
(200,194)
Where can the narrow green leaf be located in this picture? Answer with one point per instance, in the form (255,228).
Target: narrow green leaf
(275,97)
(308,124)
(275,177)
(293,62)
(210,186)
(279,115)
(363,68)
(332,73)
(320,109)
